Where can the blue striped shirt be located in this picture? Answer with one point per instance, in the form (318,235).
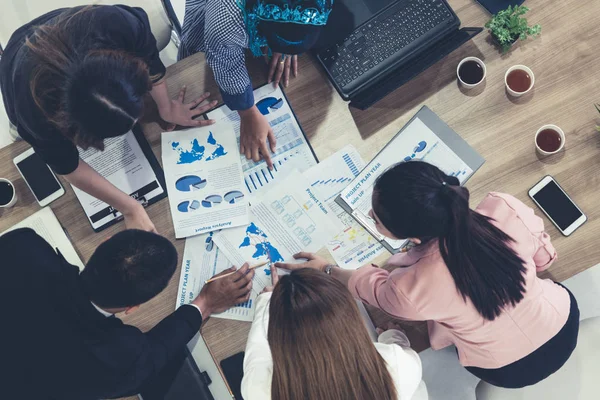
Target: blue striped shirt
(217,28)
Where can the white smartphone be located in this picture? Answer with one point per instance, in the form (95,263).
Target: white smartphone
(557,205)
(39,177)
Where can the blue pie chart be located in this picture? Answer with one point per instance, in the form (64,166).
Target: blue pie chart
(268,104)
(212,201)
(186,206)
(190,183)
(233,197)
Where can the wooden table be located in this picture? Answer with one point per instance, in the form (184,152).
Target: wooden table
(567,83)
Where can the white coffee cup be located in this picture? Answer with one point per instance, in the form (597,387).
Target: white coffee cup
(470,85)
(523,68)
(13,200)
(556,129)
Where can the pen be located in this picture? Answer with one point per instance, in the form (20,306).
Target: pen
(231,273)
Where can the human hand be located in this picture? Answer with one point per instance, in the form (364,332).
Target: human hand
(137,218)
(183,114)
(274,280)
(254,133)
(280,66)
(222,294)
(313,261)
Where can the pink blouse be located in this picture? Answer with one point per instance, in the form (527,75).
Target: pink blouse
(425,290)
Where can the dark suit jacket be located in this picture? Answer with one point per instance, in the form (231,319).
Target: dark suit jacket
(55,345)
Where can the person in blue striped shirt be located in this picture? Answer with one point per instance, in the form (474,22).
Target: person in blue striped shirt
(279,29)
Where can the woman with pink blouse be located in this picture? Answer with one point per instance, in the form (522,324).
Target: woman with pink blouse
(471,275)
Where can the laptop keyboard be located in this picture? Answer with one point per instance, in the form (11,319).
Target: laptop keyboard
(386,36)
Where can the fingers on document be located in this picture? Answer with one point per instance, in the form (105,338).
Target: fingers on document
(305,255)
(272,140)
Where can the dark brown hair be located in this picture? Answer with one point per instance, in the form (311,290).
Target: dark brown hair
(417,200)
(321,349)
(88,93)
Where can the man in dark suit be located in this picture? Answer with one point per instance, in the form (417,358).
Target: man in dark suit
(60,339)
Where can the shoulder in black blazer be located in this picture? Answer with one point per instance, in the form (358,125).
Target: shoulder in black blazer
(55,345)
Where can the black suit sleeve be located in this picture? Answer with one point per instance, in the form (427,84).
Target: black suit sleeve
(138,358)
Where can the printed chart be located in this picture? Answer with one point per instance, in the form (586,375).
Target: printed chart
(203,174)
(353,246)
(293,150)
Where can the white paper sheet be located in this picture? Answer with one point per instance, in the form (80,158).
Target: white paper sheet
(353,246)
(202,260)
(285,220)
(123,164)
(45,224)
(417,142)
(204,179)
(292,152)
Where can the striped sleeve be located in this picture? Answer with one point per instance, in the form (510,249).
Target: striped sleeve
(217,28)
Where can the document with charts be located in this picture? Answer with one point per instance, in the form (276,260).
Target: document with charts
(204,179)
(353,246)
(293,149)
(128,163)
(425,137)
(202,260)
(287,219)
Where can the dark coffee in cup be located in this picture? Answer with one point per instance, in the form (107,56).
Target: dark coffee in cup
(471,72)
(549,140)
(7,192)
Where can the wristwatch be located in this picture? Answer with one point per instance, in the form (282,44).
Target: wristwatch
(329,267)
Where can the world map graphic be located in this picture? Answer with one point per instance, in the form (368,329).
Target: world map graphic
(256,238)
(196,151)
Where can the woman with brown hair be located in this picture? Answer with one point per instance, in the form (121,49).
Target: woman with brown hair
(314,345)
(76,76)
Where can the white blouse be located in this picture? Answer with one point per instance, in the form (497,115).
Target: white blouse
(403,363)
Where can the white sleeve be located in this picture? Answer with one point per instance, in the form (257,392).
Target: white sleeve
(406,370)
(258,363)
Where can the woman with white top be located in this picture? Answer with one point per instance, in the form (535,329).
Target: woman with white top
(315,346)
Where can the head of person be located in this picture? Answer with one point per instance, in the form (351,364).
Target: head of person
(319,344)
(129,269)
(89,96)
(286,26)
(416,200)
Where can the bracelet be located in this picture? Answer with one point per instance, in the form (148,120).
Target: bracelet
(329,267)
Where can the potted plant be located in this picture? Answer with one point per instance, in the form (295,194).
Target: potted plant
(509,25)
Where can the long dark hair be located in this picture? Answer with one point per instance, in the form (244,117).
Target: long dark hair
(320,347)
(417,200)
(89,94)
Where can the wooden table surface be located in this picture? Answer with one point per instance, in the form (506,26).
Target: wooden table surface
(501,129)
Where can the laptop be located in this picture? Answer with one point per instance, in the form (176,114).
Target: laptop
(369,48)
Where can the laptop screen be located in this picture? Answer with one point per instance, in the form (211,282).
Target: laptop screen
(346,16)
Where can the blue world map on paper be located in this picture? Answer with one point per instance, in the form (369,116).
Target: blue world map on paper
(197,151)
(257,238)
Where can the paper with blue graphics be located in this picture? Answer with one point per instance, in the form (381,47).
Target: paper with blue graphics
(293,150)
(288,218)
(202,260)
(416,142)
(204,180)
(352,247)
